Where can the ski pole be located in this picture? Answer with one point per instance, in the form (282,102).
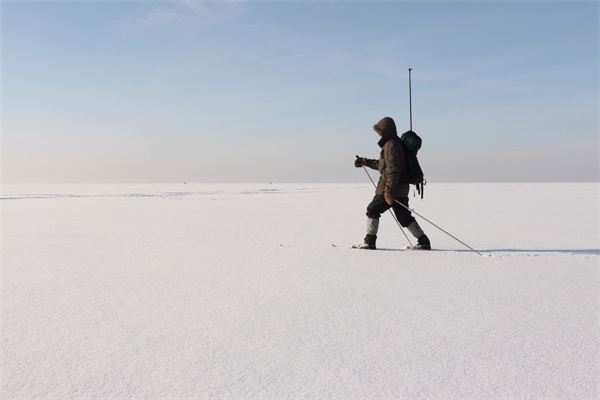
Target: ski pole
(440,228)
(393,215)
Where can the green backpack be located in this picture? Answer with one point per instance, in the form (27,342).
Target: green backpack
(413,174)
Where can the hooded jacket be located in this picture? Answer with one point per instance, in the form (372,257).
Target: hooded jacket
(391,163)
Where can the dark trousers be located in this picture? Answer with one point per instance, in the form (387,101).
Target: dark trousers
(378,206)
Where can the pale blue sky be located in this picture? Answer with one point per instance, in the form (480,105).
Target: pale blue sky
(175,91)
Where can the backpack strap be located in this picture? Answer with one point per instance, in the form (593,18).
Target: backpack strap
(421,188)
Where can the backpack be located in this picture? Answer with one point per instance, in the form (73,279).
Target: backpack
(413,174)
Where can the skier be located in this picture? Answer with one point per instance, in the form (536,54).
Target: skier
(391,165)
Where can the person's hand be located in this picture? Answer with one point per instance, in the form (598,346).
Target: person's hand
(387,196)
(360,161)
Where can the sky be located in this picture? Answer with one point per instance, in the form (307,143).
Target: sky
(288,91)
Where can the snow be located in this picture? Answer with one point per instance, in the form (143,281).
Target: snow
(235,291)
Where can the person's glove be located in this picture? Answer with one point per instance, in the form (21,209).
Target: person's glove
(387,196)
(360,161)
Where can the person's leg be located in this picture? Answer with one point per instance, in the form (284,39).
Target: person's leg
(409,222)
(376,207)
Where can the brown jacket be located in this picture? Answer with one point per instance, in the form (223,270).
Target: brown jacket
(391,161)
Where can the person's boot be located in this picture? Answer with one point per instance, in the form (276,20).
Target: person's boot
(369,241)
(423,243)
(422,239)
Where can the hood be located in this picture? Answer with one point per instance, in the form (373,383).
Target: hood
(386,127)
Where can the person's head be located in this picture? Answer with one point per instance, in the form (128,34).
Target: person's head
(385,127)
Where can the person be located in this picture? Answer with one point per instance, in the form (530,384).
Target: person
(391,165)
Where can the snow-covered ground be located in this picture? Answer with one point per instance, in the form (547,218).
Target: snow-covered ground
(236,291)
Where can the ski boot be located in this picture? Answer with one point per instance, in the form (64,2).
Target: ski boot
(368,243)
(423,243)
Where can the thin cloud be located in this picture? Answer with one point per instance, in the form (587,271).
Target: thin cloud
(185,14)
(286,58)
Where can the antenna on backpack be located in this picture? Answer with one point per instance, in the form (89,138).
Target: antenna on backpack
(420,185)
(410,97)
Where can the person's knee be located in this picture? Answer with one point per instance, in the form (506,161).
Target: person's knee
(373,210)
(376,207)
(374,214)
(406,220)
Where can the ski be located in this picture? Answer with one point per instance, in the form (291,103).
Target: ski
(357,247)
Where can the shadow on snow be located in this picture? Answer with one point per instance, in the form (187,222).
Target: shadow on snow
(509,250)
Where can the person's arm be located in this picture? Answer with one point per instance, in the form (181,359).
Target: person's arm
(373,164)
(367,162)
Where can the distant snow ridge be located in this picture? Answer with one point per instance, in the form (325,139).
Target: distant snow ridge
(166,194)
